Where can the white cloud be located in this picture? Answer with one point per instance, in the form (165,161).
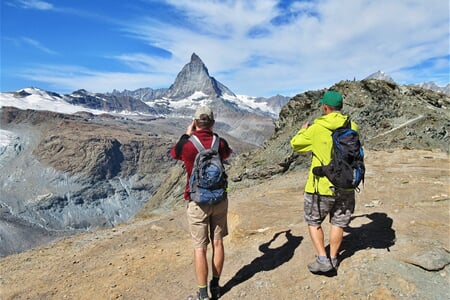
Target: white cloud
(323,42)
(35,4)
(71,78)
(36,44)
(259,48)
(142,62)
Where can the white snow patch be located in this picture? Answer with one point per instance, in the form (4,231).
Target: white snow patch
(6,137)
(249,103)
(41,100)
(193,101)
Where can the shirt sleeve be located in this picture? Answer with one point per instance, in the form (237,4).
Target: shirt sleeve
(302,141)
(177,150)
(225,150)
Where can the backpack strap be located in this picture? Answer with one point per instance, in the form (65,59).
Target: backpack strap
(196,142)
(198,145)
(348,123)
(215,142)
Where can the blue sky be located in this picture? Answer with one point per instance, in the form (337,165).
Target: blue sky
(256,48)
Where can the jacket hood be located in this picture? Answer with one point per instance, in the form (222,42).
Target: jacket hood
(331,121)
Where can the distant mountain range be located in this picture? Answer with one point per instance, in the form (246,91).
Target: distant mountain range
(380,75)
(192,87)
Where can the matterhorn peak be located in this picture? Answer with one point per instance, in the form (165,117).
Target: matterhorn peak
(194,78)
(195,58)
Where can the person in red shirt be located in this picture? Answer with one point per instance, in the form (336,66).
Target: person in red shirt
(207,223)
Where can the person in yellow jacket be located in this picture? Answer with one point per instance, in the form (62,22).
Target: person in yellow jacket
(321,198)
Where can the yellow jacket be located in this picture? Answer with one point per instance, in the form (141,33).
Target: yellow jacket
(317,139)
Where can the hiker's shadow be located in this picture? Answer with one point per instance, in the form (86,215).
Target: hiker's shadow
(377,234)
(271,259)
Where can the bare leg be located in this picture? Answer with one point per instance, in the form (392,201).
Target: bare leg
(218,257)
(336,235)
(201,266)
(317,237)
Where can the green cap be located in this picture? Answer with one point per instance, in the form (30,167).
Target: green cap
(331,98)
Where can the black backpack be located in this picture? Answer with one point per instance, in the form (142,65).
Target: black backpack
(208,181)
(346,169)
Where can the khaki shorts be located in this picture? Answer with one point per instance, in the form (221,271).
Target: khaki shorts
(340,208)
(207,222)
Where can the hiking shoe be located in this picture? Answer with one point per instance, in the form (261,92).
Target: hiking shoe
(335,263)
(215,292)
(318,266)
(200,298)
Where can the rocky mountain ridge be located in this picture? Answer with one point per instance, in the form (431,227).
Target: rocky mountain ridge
(389,115)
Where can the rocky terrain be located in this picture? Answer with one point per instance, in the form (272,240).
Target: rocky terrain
(86,160)
(397,246)
(390,116)
(67,173)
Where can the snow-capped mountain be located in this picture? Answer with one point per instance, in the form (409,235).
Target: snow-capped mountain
(380,75)
(37,99)
(193,86)
(81,100)
(195,77)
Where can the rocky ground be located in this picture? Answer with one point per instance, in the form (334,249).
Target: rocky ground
(397,246)
(65,172)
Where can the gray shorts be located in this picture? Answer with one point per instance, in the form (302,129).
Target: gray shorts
(207,222)
(339,207)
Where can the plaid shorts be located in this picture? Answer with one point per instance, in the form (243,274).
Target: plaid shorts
(339,207)
(207,222)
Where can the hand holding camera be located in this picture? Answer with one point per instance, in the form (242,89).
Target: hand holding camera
(191,128)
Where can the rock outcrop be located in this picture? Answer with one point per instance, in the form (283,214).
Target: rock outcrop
(390,116)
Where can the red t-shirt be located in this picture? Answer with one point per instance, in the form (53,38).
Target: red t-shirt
(185,151)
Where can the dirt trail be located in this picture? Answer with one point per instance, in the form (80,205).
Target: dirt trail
(397,246)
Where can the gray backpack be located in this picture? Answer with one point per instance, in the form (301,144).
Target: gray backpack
(208,181)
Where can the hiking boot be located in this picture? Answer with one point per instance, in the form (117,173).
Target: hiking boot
(215,292)
(318,266)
